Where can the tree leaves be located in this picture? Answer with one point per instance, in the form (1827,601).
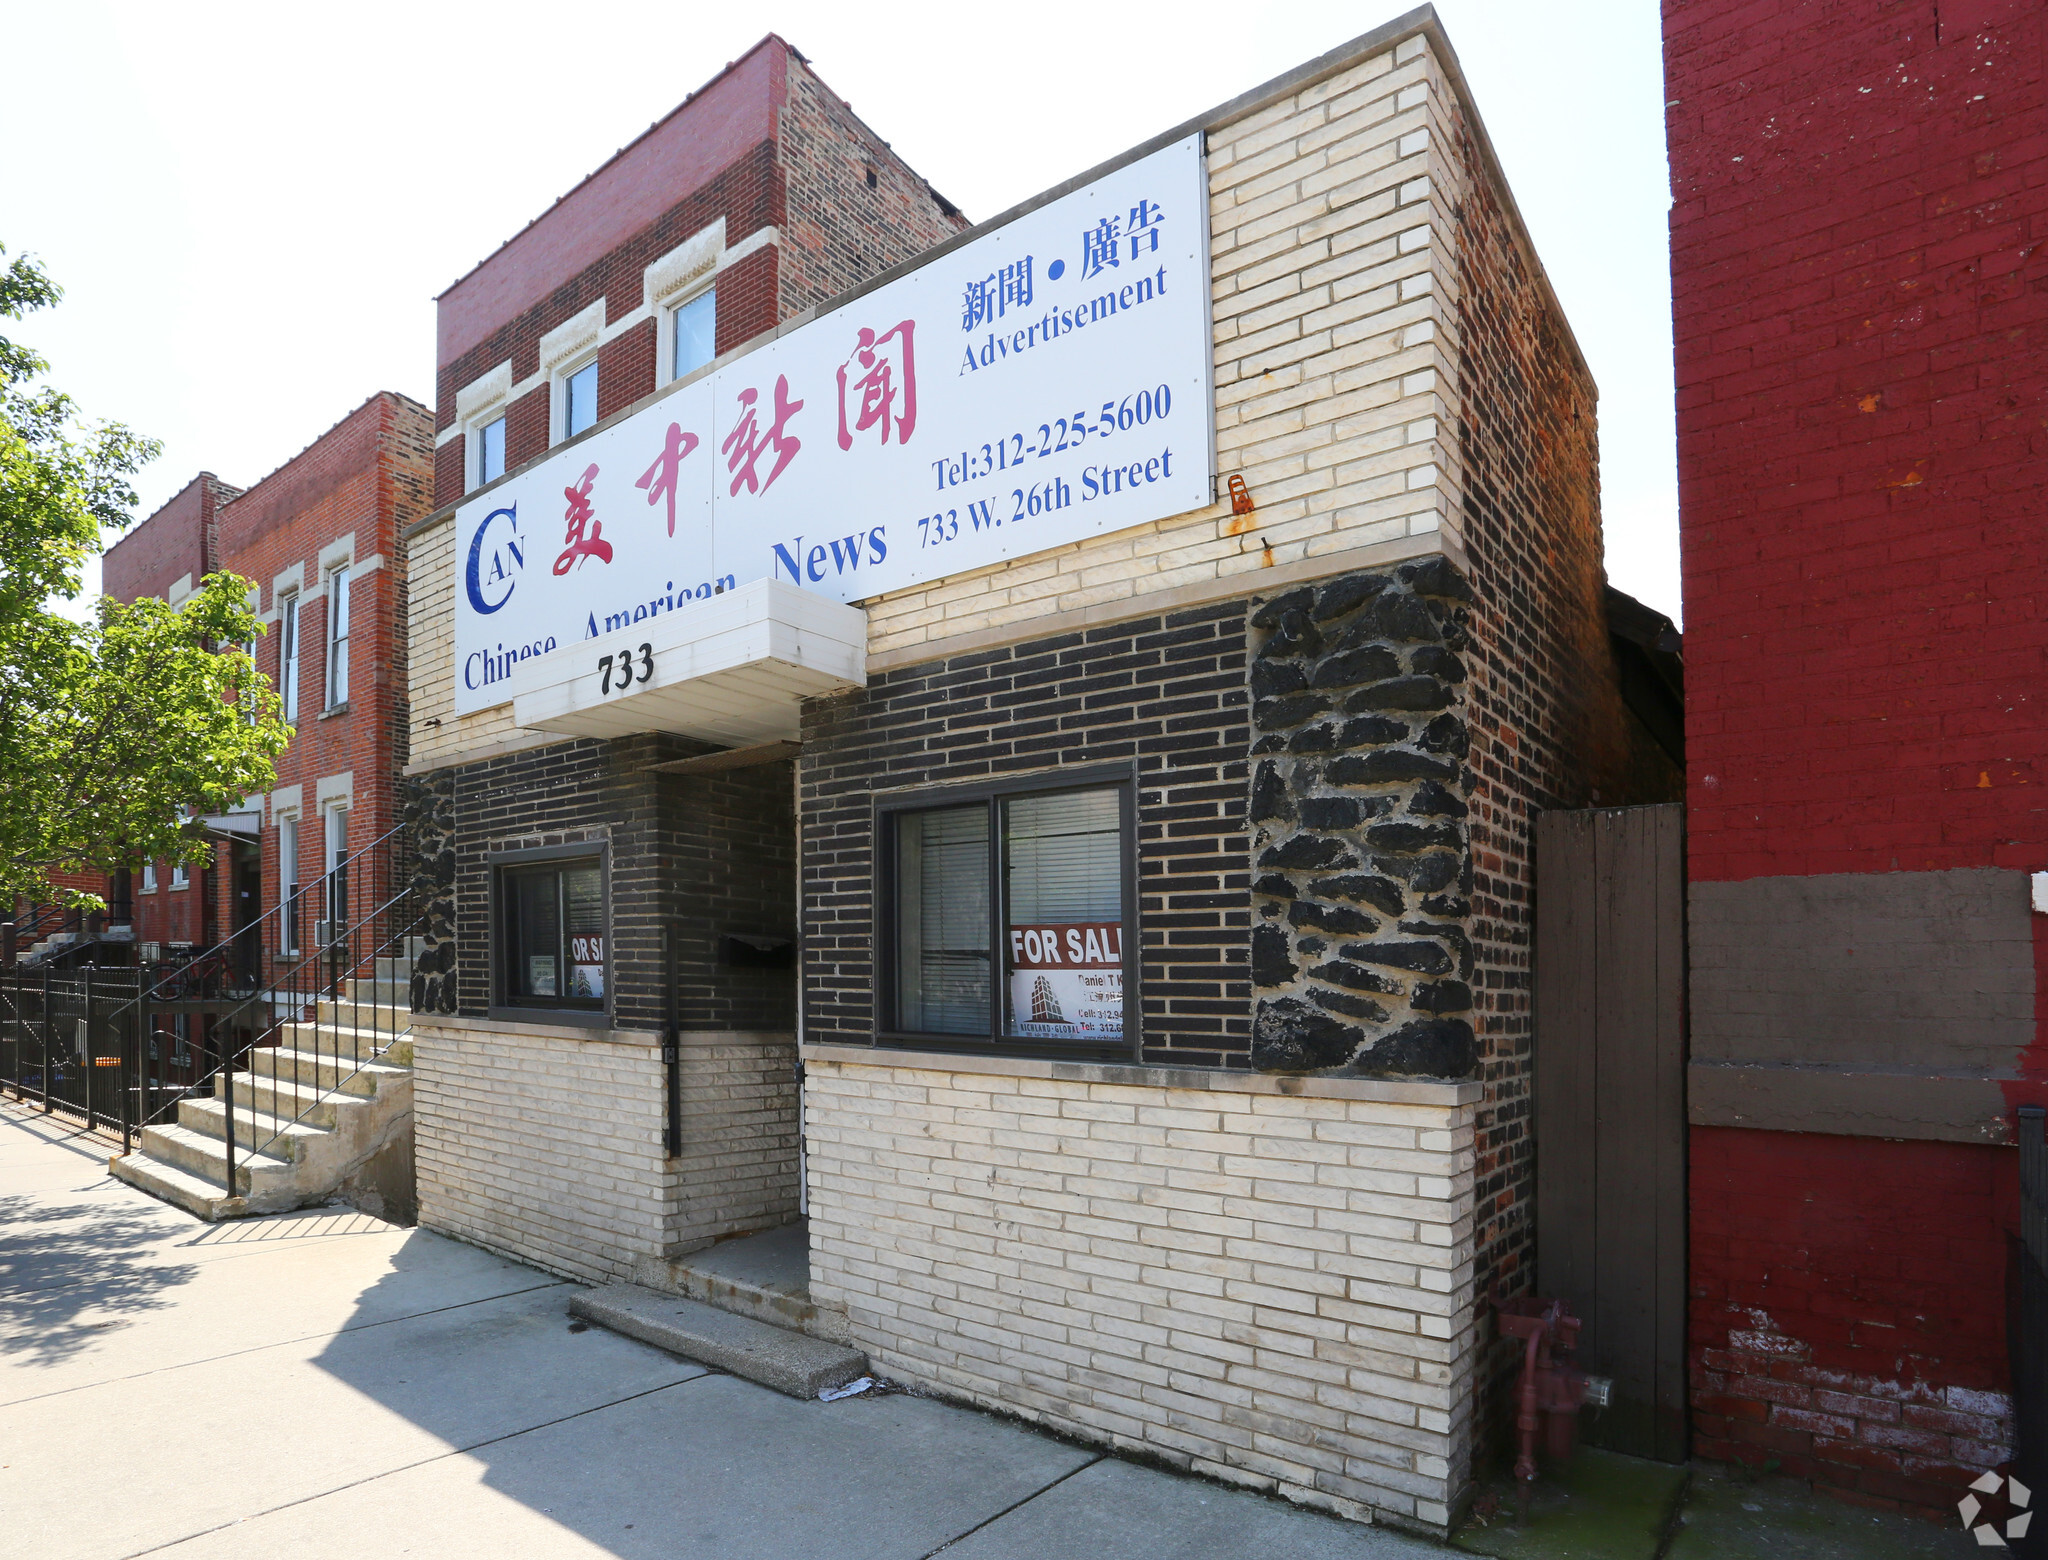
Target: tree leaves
(109,730)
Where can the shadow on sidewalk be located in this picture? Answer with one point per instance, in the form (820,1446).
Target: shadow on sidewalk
(71,1270)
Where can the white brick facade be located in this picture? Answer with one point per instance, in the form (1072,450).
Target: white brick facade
(545,1142)
(1263,1279)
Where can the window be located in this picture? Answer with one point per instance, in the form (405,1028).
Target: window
(1010,918)
(579,400)
(179,879)
(696,333)
(337,638)
(249,694)
(288,657)
(288,883)
(553,919)
(335,866)
(490,452)
(149,877)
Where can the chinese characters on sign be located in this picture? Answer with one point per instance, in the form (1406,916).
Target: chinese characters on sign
(1074,400)
(660,478)
(743,446)
(883,370)
(584,536)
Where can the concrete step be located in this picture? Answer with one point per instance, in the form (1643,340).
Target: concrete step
(278,1136)
(382,1015)
(196,1154)
(321,1069)
(181,1188)
(765,1276)
(790,1362)
(397,972)
(328,1039)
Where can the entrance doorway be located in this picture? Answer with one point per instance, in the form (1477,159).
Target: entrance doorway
(1610,1108)
(245,907)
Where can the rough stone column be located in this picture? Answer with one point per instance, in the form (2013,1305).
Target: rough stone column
(1360,958)
(430,810)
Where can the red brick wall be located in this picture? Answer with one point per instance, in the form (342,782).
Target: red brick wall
(1838,1298)
(807,175)
(371,475)
(176,540)
(747,194)
(838,231)
(1861,310)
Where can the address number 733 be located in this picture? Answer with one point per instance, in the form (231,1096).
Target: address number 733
(619,672)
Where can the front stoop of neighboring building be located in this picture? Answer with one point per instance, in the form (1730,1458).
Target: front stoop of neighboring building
(326,1124)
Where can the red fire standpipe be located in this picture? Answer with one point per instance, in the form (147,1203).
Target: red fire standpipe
(1552,1387)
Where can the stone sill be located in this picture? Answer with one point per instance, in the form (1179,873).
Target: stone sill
(1388,1091)
(649,1039)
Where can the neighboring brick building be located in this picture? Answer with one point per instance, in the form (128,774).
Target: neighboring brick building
(166,556)
(323,524)
(1271,763)
(1861,306)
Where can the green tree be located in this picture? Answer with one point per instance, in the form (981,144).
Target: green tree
(110,730)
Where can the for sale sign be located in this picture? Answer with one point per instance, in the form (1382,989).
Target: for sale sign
(1067,980)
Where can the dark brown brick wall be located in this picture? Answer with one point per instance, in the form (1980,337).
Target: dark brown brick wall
(1166,695)
(709,855)
(1548,726)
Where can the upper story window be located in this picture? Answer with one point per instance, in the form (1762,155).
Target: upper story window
(579,400)
(288,657)
(180,878)
(149,877)
(337,637)
(490,451)
(1009,917)
(694,333)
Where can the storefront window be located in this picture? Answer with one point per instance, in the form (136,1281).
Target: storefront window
(554,934)
(1041,960)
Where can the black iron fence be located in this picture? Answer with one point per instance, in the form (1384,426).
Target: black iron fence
(322,980)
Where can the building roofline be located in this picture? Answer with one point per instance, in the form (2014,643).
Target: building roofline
(354,411)
(730,67)
(1421,21)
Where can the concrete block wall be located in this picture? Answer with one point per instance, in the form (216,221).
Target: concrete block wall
(546,1143)
(543,1143)
(1266,1281)
(738,1169)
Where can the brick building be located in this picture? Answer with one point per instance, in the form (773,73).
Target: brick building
(319,536)
(1147,897)
(1859,296)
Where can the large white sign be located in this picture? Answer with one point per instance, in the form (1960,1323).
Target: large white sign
(1046,382)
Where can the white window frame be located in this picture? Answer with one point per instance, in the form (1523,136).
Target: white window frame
(558,395)
(288,879)
(149,877)
(340,626)
(288,656)
(180,877)
(666,343)
(473,441)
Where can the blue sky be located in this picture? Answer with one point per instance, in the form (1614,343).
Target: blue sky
(251,207)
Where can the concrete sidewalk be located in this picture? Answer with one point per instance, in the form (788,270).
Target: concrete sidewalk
(324,1385)
(331,1387)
